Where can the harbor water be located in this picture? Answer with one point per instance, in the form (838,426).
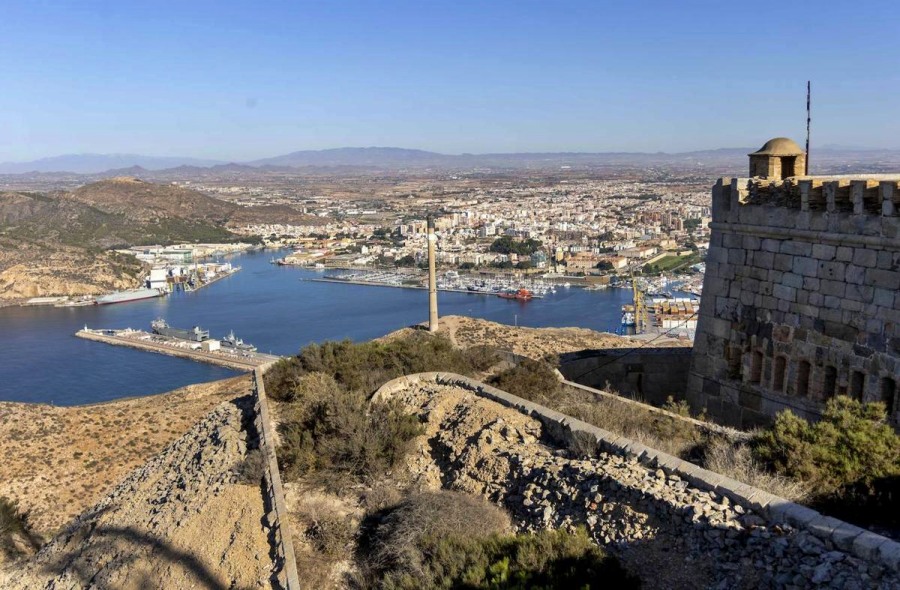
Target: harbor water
(274,307)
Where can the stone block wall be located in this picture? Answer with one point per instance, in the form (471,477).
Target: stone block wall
(801,298)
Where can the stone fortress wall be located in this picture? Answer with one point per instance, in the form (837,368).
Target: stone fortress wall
(801,298)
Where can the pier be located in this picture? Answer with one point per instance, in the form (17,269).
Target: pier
(241,361)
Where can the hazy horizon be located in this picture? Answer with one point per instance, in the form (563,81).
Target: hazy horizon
(231,81)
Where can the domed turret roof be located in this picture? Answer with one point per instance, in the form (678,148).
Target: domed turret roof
(780,146)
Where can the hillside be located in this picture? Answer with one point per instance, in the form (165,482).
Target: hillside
(57,243)
(86,450)
(182,520)
(144,201)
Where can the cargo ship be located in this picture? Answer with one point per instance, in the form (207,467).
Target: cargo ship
(126,296)
(195,334)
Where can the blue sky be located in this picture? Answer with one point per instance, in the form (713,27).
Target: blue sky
(244,80)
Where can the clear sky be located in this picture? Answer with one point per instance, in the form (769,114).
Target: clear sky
(244,80)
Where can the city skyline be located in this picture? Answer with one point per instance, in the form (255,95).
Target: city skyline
(227,81)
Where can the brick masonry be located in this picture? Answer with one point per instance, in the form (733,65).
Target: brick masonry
(800,298)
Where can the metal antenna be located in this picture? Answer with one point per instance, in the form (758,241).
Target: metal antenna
(806,171)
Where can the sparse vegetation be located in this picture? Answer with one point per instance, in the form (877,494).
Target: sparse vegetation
(532,380)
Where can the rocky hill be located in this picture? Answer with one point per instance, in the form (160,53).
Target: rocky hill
(56,243)
(670,533)
(141,201)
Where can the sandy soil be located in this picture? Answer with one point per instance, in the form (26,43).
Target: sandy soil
(58,461)
(532,342)
(183,520)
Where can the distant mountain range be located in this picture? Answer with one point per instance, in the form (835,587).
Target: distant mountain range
(94,163)
(400,158)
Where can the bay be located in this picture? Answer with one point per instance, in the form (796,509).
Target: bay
(279,309)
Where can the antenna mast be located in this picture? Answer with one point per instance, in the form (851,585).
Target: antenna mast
(806,171)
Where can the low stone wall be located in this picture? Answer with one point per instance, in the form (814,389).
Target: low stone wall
(843,536)
(278,517)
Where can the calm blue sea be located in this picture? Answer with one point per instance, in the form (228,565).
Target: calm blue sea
(276,308)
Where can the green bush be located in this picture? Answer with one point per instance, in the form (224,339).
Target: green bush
(851,457)
(343,436)
(542,561)
(531,380)
(366,366)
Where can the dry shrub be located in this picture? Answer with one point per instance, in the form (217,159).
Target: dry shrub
(398,540)
(252,468)
(648,428)
(382,495)
(16,539)
(583,445)
(325,528)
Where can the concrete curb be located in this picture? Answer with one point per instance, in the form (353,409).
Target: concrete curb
(847,537)
(279,518)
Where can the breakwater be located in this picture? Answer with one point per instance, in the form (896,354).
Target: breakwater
(245,361)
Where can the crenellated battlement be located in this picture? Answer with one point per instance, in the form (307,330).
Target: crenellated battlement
(855,194)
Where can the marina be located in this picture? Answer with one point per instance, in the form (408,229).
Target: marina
(504,286)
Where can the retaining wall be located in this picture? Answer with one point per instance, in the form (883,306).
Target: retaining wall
(651,374)
(846,537)
(278,517)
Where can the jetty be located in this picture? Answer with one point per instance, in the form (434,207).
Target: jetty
(239,360)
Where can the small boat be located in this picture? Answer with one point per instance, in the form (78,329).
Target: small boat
(521,295)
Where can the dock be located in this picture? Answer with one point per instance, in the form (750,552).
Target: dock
(241,361)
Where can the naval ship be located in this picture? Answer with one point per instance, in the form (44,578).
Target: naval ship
(197,334)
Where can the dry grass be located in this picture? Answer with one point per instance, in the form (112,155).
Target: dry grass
(736,461)
(325,527)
